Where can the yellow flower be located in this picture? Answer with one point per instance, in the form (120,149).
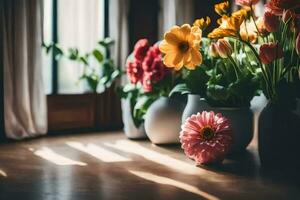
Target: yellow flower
(202,23)
(242,13)
(229,26)
(222,8)
(181,46)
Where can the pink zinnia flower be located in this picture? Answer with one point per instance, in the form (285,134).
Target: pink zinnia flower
(206,137)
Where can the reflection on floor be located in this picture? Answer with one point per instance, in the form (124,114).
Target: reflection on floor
(56,158)
(98,152)
(178,184)
(109,166)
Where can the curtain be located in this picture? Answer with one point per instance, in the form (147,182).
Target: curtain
(174,12)
(118,30)
(24,99)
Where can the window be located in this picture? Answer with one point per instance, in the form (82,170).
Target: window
(73,23)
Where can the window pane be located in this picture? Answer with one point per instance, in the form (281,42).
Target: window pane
(47,37)
(80,25)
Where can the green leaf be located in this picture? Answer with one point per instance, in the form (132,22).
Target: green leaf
(106,42)
(57,52)
(84,60)
(98,55)
(180,88)
(196,80)
(73,53)
(142,106)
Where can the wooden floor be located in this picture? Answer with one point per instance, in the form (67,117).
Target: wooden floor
(109,166)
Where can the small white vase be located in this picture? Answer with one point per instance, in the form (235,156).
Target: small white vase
(163,121)
(130,130)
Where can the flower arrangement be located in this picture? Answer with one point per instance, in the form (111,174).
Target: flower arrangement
(243,55)
(272,43)
(148,79)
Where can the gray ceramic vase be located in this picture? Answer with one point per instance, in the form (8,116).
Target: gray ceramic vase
(163,121)
(241,120)
(130,130)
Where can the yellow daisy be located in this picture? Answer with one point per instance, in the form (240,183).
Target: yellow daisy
(181,46)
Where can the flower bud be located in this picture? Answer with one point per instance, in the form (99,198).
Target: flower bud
(213,50)
(224,48)
(271,22)
(287,15)
(297,45)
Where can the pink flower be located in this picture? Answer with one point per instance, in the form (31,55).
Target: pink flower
(206,137)
(224,48)
(140,49)
(271,22)
(147,82)
(277,7)
(297,46)
(134,71)
(270,52)
(246,2)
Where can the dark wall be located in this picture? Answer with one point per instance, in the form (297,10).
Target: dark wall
(143,21)
(2,134)
(205,8)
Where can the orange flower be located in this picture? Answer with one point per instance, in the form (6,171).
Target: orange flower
(181,46)
(248,32)
(202,23)
(229,26)
(222,8)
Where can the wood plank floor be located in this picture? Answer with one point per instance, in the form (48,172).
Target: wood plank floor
(109,166)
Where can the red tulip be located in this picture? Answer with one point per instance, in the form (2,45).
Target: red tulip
(270,52)
(224,48)
(288,15)
(297,46)
(213,50)
(277,7)
(271,22)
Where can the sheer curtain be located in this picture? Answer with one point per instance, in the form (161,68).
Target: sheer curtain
(80,24)
(174,12)
(24,99)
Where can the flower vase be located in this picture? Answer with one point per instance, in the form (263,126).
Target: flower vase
(279,136)
(163,121)
(130,130)
(240,118)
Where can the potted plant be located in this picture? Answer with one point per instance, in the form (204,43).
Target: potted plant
(217,76)
(277,55)
(149,82)
(99,71)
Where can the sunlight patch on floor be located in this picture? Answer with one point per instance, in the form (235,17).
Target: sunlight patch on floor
(135,148)
(48,154)
(98,152)
(178,184)
(3,173)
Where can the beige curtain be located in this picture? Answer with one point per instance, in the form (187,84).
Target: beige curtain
(24,99)
(174,12)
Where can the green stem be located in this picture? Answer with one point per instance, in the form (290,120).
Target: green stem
(235,67)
